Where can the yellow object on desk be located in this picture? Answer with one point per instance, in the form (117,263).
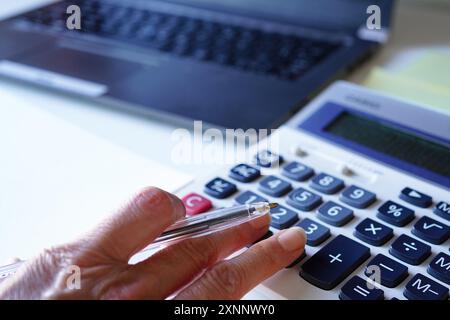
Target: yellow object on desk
(425,81)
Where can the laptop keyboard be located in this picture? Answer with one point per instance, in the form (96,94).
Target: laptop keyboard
(297,187)
(284,56)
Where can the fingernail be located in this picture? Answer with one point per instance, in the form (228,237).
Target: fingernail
(292,239)
(260,222)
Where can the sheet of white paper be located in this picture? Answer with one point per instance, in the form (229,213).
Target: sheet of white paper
(56,180)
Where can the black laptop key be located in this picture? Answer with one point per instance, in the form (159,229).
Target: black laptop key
(334,262)
(410,250)
(359,289)
(442,209)
(395,214)
(431,230)
(415,197)
(391,273)
(373,232)
(439,267)
(423,288)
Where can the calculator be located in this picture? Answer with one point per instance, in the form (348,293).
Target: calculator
(367,176)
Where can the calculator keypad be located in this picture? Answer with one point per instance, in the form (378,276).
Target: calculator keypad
(305,198)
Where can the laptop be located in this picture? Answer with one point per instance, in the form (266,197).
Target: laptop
(233,64)
(367,177)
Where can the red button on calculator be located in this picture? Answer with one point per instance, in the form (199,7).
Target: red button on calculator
(196,204)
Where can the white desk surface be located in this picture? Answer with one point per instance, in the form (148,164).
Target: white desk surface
(418,27)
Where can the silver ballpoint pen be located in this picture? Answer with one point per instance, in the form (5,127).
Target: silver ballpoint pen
(190,227)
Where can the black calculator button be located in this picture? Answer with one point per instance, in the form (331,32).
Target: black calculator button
(268,159)
(442,209)
(373,232)
(423,288)
(334,262)
(391,272)
(297,171)
(440,267)
(274,186)
(244,173)
(410,250)
(415,197)
(334,214)
(220,188)
(326,183)
(395,214)
(248,197)
(303,199)
(282,217)
(358,197)
(316,233)
(431,230)
(358,289)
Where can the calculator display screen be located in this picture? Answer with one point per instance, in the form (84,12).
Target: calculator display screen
(395,142)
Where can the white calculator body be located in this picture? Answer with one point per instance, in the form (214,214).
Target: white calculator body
(371,174)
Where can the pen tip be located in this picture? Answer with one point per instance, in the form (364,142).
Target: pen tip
(273,205)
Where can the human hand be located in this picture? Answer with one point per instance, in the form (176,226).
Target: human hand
(190,269)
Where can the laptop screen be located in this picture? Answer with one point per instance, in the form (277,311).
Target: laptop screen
(326,14)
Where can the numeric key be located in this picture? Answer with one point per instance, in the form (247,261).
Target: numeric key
(303,199)
(334,262)
(334,214)
(358,197)
(248,197)
(316,233)
(297,171)
(274,186)
(326,183)
(282,217)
